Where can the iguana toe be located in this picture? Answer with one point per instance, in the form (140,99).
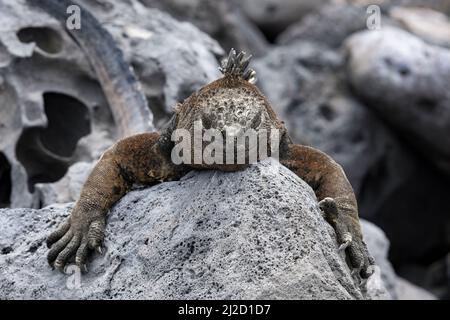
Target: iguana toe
(58,233)
(96,235)
(329,208)
(349,239)
(67,252)
(57,247)
(74,238)
(360,259)
(81,255)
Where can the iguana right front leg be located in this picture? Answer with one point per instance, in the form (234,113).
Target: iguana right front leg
(142,159)
(336,199)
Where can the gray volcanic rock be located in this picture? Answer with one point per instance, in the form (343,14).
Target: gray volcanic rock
(68,188)
(399,288)
(274,16)
(52,110)
(378,245)
(172,59)
(430,25)
(307,85)
(254,234)
(330,25)
(221,19)
(406,81)
(385,5)
(408,291)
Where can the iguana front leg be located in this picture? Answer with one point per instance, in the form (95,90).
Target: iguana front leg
(138,159)
(336,199)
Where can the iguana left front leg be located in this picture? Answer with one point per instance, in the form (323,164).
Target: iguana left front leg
(336,199)
(139,159)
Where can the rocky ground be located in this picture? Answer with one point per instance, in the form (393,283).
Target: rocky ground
(377,101)
(255,234)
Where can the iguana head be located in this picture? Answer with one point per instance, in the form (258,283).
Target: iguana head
(232,106)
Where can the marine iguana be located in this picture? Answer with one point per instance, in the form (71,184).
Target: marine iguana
(232,101)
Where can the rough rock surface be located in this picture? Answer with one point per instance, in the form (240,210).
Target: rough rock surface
(330,25)
(172,59)
(68,188)
(399,288)
(408,291)
(41,69)
(433,277)
(385,5)
(378,245)
(46,82)
(273,16)
(221,19)
(430,25)
(306,83)
(406,81)
(254,234)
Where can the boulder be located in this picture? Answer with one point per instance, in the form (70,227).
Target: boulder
(378,245)
(172,59)
(406,81)
(307,84)
(273,16)
(68,188)
(430,25)
(385,5)
(42,69)
(409,291)
(435,277)
(399,288)
(253,234)
(329,26)
(52,110)
(221,19)
(332,24)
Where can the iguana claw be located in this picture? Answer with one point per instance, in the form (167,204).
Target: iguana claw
(347,241)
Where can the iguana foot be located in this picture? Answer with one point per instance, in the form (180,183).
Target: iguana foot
(349,238)
(74,238)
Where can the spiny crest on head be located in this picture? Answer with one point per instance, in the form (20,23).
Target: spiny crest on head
(236,65)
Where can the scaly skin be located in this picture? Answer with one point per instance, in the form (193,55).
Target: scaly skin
(137,159)
(145,159)
(336,199)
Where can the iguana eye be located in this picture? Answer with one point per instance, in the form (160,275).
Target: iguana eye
(208,120)
(256,121)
